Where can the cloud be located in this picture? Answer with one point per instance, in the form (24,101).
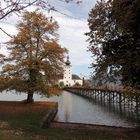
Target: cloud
(72,37)
(73,9)
(71,31)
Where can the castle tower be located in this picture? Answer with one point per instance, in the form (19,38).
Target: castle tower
(67,77)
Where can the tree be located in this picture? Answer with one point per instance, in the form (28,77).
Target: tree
(61,84)
(127,18)
(114,39)
(102,28)
(35,58)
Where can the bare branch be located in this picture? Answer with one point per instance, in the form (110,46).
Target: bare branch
(5,32)
(15,7)
(18,5)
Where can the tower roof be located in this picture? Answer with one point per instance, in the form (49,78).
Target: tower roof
(68,61)
(75,77)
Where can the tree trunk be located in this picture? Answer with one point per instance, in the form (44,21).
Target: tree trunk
(30,98)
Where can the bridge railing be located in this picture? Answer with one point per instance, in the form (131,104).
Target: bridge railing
(124,98)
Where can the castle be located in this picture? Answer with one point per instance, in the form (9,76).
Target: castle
(68,78)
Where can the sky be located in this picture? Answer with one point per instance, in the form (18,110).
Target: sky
(73,26)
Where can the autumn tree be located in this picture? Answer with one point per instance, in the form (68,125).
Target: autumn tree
(114,39)
(35,58)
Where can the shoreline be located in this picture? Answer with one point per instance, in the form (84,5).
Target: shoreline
(71,125)
(15,106)
(22,121)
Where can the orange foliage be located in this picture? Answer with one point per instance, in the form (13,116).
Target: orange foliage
(36,58)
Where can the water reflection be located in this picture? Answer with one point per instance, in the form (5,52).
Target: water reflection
(82,110)
(73,108)
(67,102)
(123,110)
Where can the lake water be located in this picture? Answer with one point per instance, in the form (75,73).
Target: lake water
(73,108)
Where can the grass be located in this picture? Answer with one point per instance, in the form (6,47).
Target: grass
(19,121)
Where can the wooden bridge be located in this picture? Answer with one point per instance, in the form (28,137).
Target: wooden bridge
(122,99)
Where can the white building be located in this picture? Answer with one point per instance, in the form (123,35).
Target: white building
(69,79)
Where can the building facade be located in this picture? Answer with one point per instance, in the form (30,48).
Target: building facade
(68,79)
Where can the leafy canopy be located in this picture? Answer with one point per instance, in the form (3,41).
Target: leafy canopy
(114,39)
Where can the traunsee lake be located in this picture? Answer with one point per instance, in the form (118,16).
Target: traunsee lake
(73,108)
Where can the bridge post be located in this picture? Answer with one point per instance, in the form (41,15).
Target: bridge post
(137,99)
(109,97)
(119,100)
